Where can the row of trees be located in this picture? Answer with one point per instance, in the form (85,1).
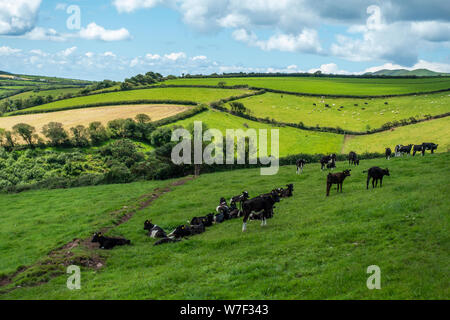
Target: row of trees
(141,80)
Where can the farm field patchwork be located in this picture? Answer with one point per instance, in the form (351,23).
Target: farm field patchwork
(55,93)
(368,114)
(292,140)
(331,86)
(72,118)
(198,95)
(314,247)
(436,131)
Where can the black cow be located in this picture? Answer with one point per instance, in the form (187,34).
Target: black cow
(207,220)
(337,178)
(429,146)
(327,159)
(300,164)
(153,230)
(353,158)
(107,242)
(388,153)
(197,229)
(405,149)
(418,148)
(219,218)
(180,232)
(376,173)
(261,203)
(288,191)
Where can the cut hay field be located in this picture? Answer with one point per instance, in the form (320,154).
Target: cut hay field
(314,247)
(198,95)
(369,113)
(329,86)
(437,131)
(72,118)
(292,140)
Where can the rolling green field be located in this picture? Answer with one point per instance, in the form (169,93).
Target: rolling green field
(180,94)
(314,247)
(331,86)
(44,93)
(436,131)
(294,109)
(291,140)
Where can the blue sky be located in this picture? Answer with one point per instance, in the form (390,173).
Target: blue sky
(120,38)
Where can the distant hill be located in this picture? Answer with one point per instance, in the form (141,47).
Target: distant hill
(4,72)
(404,72)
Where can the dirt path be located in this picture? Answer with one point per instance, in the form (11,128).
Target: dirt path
(347,138)
(59,258)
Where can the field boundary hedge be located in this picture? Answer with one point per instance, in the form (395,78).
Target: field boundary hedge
(337,130)
(104,104)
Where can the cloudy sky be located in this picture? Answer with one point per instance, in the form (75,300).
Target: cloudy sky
(114,39)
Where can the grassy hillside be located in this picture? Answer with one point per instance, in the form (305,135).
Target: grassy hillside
(314,247)
(44,93)
(294,109)
(292,140)
(404,72)
(181,94)
(331,86)
(437,131)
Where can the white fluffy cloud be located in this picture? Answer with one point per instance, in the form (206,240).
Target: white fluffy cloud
(132,5)
(175,56)
(6,51)
(96,32)
(18,16)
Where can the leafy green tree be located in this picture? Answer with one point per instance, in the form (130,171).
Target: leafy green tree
(55,132)
(142,118)
(97,133)
(26,132)
(80,136)
(160,136)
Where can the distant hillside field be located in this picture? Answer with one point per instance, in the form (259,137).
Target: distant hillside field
(437,131)
(199,95)
(55,93)
(72,118)
(294,109)
(330,86)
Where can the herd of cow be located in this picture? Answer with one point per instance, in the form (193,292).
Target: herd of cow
(258,208)
(261,207)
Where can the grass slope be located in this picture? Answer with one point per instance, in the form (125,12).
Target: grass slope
(331,86)
(293,109)
(437,131)
(44,93)
(314,248)
(199,95)
(292,140)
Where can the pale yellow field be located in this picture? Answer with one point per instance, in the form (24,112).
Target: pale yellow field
(72,118)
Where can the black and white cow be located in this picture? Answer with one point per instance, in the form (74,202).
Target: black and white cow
(405,149)
(331,165)
(418,148)
(397,150)
(300,164)
(153,230)
(376,173)
(261,203)
(429,146)
(180,232)
(353,158)
(327,160)
(239,199)
(223,208)
(388,153)
(207,220)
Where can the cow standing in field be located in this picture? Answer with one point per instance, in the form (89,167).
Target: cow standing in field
(397,150)
(429,146)
(353,158)
(418,148)
(406,149)
(337,178)
(261,203)
(388,153)
(239,199)
(376,173)
(327,160)
(300,164)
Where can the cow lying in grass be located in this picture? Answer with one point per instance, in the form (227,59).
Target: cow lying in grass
(376,173)
(336,178)
(288,192)
(180,232)
(153,230)
(262,203)
(207,220)
(107,242)
(165,240)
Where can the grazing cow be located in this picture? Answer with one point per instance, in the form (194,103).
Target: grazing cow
(429,146)
(197,229)
(376,173)
(418,148)
(207,220)
(153,230)
(397,150)
(353,158)
(107,242)
(180,232)
(165,240)
(327,159)
(406,149)
(388,153)
(239,199)
(337,178)
(261,203)
(300,164)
